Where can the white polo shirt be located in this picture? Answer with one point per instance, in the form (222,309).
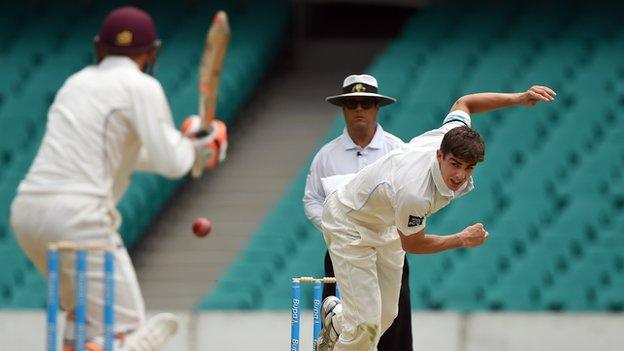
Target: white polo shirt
(342,156)
(107,121)
(402,188)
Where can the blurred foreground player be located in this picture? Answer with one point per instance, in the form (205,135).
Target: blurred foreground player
(362,142)
(400,190)
(107,121)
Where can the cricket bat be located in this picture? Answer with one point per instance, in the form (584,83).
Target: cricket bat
(215,46)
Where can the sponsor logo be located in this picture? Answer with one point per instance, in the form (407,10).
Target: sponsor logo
(414,221)
(295,311)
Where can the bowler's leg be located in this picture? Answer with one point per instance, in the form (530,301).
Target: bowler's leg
(390,270)
(355,267)
(359,323)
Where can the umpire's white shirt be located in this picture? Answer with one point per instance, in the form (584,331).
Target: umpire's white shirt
(342,156)
(402,188)
(107,121)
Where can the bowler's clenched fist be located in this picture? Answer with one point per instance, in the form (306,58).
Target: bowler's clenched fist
(473,235)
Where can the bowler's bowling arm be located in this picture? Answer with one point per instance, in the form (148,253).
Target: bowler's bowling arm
(484,102)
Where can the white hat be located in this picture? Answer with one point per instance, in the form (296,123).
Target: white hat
(360,85)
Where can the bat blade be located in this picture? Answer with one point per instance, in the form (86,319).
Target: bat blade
(215,46)
(217,39)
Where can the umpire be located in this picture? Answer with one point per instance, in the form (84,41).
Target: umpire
(361,143)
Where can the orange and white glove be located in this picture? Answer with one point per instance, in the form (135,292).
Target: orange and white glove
(210,146)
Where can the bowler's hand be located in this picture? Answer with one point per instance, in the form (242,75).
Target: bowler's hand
(473,235)
(537,93)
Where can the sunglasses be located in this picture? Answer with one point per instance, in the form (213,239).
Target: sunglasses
(352,104)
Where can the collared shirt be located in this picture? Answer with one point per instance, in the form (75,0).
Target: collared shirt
(342,156)
(402,188)
(106,121)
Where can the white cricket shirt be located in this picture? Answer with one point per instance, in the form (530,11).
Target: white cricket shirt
(101,120)
(402,188)
(342,156)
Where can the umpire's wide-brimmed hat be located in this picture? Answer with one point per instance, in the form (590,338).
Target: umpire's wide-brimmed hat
(360,85)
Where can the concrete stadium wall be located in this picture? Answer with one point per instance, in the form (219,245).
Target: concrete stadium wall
(242,331)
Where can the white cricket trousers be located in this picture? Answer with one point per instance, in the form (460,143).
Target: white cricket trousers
(368,273)
(41,219)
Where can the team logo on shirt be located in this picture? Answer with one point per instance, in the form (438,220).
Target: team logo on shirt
(414,221)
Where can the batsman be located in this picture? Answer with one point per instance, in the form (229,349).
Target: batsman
(107,121)
(400,190)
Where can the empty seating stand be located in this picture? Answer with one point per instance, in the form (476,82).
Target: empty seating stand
(549,191)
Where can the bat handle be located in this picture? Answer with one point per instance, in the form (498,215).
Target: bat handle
(204,131)
(197,171)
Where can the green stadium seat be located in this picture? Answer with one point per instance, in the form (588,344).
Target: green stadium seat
(580,289)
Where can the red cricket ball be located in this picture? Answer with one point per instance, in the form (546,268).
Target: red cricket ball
(201,227)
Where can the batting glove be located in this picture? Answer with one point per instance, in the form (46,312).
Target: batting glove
(210,147)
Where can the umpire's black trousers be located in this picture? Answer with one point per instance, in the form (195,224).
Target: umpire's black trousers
(399,336)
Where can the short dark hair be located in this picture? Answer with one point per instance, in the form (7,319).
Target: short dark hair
(464,143)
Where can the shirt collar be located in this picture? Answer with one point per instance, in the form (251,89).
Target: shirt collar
(443,189)
(118,60)
(376,142)
(436,173)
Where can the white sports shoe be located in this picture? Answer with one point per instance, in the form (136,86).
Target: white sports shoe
(329,335)
(154,334)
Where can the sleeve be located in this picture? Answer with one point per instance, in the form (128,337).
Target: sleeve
(314,195)
(164,149)
(410,213)
(454,119)
(457,118)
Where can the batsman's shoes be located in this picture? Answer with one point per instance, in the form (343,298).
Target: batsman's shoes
(329,335)
(154,334)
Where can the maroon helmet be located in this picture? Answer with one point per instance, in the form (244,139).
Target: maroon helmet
(127,30)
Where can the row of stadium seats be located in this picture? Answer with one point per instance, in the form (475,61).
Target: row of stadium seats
(549,192)
(51,41)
